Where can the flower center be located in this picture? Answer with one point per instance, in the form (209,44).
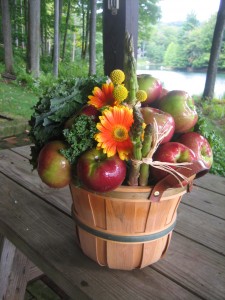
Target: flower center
(120,133)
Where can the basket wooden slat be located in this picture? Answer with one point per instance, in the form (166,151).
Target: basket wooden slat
(123,229)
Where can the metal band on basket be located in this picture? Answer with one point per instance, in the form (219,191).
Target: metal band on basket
(124,239)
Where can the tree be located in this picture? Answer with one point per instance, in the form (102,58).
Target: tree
(85,13)
(66,29)
(33,49)
(56,39)
(149,14)
(171,55)
(215,52)
(92,46)
(7,37)
(184,54)
(155,50)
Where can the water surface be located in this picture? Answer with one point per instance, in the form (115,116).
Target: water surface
(191,82)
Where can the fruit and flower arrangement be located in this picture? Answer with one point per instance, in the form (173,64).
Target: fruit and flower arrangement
(125,129)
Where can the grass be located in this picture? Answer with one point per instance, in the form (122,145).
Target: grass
(16,100)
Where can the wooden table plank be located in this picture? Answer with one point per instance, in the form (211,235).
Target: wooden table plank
(46,236)
(207,201)
(20,170)
(212,182)
(201,227)
(195,267)
(24,151)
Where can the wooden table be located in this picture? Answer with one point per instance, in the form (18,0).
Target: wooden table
(38,230)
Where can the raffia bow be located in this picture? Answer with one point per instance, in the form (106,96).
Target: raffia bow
(165,166)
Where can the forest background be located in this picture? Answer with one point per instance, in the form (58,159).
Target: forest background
(183,45)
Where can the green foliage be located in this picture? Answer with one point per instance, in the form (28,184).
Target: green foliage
(170,57)
(57,104)
(186,45)
(204,127)
(80,137)
(154,51)
(149,14)
(213,109)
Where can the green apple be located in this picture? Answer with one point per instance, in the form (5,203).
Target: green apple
(182,108)
(53,168)
(151,85)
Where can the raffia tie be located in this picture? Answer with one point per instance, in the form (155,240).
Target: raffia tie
(165,166)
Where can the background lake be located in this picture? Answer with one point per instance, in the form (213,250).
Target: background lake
(191,82)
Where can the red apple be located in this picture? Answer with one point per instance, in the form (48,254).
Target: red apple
(151,85)
(171,152)
(53,168)
(181,106)
(99,172)
(90,110)
(164,92)
(164,120)
(199,145)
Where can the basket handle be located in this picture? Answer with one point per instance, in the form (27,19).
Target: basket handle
(197,168)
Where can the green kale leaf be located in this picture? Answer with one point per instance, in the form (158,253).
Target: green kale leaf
(80,137)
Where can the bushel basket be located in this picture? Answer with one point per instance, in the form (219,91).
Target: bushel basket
(130,227)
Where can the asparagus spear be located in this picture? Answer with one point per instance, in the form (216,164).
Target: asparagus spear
(130,82)
(144,168)
(136,133)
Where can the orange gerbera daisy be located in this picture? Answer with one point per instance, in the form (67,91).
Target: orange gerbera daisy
(102,97)
(114,127)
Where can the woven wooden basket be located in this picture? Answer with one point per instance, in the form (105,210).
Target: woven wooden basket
(123,229)
(130,227)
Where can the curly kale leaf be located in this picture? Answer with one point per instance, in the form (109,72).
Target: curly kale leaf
(80,137)
(57,104)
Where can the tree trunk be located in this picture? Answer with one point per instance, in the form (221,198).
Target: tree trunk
(60,22)
(85,29)
(215,52)
(74,42)
(34,37)
(66,29)
(15,24)
(7,37)
(56,39)
(44,32)
(92,46)
(25,12)
(22,25)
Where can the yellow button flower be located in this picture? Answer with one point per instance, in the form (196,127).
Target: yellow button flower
(117,76)
(141,95)
(120,93)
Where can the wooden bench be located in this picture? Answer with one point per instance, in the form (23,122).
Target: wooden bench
(38,237)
